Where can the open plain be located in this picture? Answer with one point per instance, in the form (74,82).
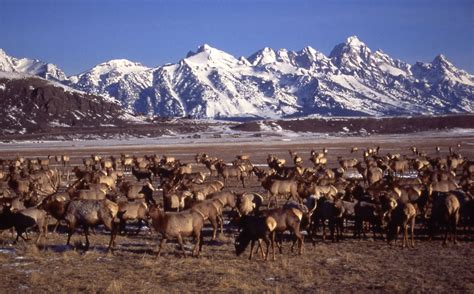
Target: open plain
(352,265)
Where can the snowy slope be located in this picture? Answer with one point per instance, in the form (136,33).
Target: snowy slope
(30,66)
(122,79)
(210,83)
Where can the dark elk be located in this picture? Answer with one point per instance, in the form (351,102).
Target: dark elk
(255,229)
(23,220)
(90,213)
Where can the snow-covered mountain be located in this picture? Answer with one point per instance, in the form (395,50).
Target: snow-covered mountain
(30,66)
(122,79)
(352,80)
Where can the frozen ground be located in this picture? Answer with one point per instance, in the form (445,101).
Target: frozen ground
(225,136)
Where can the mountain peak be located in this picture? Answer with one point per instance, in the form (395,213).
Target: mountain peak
(309,49)
(123,66)
(263,56)
(118,63)
(441,60)
(354,41)
(204,48)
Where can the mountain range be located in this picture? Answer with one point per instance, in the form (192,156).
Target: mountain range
(209,83)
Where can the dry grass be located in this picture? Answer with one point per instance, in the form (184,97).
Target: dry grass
(348,266)
(115,287)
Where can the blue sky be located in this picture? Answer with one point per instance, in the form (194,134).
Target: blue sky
(77,35)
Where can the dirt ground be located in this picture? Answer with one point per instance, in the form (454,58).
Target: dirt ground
(349,266)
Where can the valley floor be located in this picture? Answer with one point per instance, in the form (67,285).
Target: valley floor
(348,266)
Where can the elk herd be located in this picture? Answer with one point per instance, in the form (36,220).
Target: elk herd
(257,203)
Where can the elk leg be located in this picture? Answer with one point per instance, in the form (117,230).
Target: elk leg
(86,232)
(405,235)
(214,227)
(162,243)
(324,229)
(446,229)
(69,234)
(299,238)
(455,241)
(201,241)
(198,244)
(412,233)
(221,223)
(267,242)
(279,242)
(113,234)
(17,236)
(41,231)
(273,245)
(293,244)
(180,241)
(251,249)
(56,226)
(264,256)
(332,229)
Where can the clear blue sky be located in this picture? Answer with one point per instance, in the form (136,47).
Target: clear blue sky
(77,35)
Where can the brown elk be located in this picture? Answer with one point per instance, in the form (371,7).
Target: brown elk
(178,225)
(277,186)
(209,162)
(226,172)
(290,217)
(402,216)
(200,191)
(211,209)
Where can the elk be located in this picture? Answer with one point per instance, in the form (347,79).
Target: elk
(209,162)
(211,209)
(56,205)
(226,172)
(276,186)
(367,212)
(319,159)
(399,166)
(23,220)
(446,212)
(297,160)
(374,175)
(244,162)
(134,191)
(225,198)
(175,199)
(142,174)
(178,225)
(331,210)
(402,216)
(90,213)
(347,163)
(291,217)
(200,191)
(255,228)
(249,203)
(132,210)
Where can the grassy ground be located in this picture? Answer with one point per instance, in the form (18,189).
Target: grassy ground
(351,265)
(348,266)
